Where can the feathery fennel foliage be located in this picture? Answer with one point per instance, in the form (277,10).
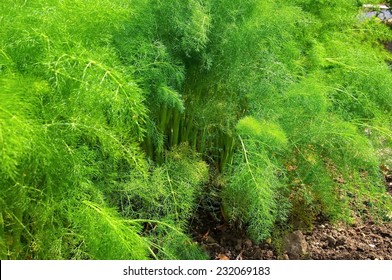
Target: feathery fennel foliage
(328,156)
(108,125)
(253,192)
(72,118)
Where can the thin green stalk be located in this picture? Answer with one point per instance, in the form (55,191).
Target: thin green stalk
(175,128)
(203,141)
(246,159)
(173,193)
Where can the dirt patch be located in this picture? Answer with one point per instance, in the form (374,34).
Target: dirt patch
(224,242)
(363,240)
(325,242)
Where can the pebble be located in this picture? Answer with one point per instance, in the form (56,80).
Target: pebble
(331,241)
(258,254)
(269,254)
(248,243)
(360,248)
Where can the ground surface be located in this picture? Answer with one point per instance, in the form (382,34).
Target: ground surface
(362,240)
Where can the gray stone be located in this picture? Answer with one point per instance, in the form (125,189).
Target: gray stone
(295,245)
(331,241)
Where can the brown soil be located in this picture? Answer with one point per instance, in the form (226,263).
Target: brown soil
(223,242)
(363,240)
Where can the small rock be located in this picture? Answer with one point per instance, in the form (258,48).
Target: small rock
(372,246)
(361,248)
(248,243)
(286,257)
(258,254)
(295,245)
(331,241)
(269,254)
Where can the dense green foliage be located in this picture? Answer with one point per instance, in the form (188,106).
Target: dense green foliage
(115,115)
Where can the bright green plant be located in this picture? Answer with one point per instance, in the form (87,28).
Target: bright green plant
(109,126)
(253,193)
(72,119)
